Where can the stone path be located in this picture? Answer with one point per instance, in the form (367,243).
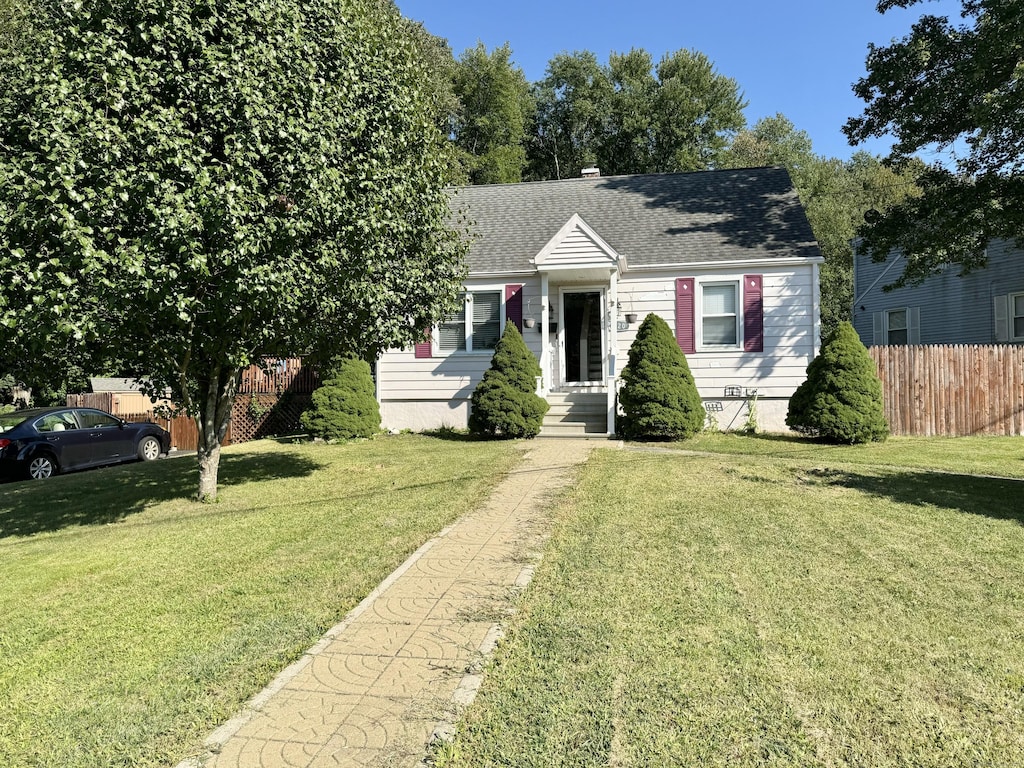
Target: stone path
(393,675)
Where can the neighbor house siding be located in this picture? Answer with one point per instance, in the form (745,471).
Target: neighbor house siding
(950,309)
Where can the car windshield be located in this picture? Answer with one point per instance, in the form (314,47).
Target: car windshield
(13,419)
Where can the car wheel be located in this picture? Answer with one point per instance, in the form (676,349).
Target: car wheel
(42,467)
(149,449)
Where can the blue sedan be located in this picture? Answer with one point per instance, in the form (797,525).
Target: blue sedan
(40,442)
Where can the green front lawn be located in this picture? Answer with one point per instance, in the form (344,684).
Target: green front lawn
(133,622)
(787,605)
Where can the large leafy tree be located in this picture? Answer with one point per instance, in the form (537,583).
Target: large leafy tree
(187,186)
(631,116)
(958,86)
(494,113)
(836,195)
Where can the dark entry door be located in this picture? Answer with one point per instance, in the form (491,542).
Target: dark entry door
(583,357)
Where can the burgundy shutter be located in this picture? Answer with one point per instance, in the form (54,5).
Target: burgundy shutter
(753,314)
(514,305)
(685,315)
(424,348)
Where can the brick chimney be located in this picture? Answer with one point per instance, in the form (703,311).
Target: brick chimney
(591,173)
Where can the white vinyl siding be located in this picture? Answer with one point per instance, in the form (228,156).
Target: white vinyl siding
(447,382)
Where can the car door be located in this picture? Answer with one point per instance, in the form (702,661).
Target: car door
(60,431)
(106,441)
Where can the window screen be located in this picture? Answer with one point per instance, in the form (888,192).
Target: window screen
(452,331)
(897,326)
(719,314)
(486,320)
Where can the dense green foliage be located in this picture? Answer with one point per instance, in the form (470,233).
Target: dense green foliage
(631,116)
(495,110)
(505,403)
(345,405)
(956,86)
(658,397)
(189,187)
(835,194)
(841,400)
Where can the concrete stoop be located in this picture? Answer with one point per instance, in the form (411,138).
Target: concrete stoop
(576,414)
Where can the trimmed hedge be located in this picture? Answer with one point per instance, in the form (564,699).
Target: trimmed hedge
(841,400)
(505,402)
(345,405)
(659,398)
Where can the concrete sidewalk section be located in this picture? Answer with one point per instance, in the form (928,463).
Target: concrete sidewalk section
(393,674)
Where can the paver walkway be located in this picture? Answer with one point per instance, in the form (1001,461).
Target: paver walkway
(393,674)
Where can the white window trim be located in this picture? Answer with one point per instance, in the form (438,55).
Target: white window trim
(737,283)
(886,330)
(880,334)
(1010,316)
(435,333)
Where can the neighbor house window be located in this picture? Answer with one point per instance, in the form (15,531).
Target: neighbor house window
(896,327)
(475,327)
(1017,318)
(720,314)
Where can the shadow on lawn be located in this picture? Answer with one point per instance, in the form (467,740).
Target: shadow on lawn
(108,495)
(994,497)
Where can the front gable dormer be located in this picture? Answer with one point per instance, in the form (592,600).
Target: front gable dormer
(577,247)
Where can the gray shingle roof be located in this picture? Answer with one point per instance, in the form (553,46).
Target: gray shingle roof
(654,219)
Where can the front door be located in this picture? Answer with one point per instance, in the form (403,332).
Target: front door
(582,337)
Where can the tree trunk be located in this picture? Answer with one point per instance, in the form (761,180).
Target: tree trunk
(218,394)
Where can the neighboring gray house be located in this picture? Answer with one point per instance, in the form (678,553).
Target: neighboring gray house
(727,258)
(983,307)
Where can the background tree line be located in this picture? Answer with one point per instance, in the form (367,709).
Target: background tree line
(952,89)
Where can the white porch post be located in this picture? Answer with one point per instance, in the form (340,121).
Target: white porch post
(612,373)
(545,340)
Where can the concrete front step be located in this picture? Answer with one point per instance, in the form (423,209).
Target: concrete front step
(572,429)
(576,414)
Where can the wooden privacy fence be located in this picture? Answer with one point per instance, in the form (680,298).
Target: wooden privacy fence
(269,402)
(184,433)
(952,390)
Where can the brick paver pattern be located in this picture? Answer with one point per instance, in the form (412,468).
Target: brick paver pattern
(393,675)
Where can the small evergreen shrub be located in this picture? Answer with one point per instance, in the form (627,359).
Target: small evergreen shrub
(658,396)
(505,402)
(345,405)
(841,400)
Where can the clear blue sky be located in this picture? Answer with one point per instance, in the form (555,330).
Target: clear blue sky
(797,57)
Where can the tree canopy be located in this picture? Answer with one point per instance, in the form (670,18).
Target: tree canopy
(190,186)
(954,86)
(495,110)
(631,116)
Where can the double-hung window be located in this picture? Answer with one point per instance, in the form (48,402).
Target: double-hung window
(896,327)
(474,327)
(1017,316)
(720,316)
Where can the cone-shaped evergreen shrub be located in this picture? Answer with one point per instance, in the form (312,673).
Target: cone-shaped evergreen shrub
(658,397)
(345,405)
(841,400)
(505,402)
